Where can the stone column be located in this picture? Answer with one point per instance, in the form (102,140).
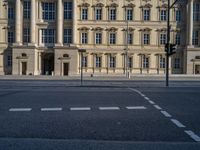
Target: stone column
(60,23)
(18,25)
(33,17)
(74,21)
(190,22)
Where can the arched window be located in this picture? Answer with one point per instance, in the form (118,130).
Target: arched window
(65,55)
(24,55)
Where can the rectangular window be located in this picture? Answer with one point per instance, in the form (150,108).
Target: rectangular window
(145,62)
(176,63)
(196,12)
(9,61)
(195,38)
(84,61)
(48,36)
(112,14)
(162,62)
(178,15)
(48,10)
(98,37)
(84,14)
(98,62)
(163,15)
(130,38)
(67,10)
(27,9)
(84,38)
(130,62)
(146,14)
(11,14)
(163,38)
(26,35)
(146,39)
(129,14)
(68,36)
(98,13)
(10,37)
(178,39)
(112,62)
(112,38)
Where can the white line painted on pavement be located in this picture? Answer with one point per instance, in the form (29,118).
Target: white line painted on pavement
(20,109)
(151,102)
(137,91)
(51,109)
(135,107)
(146,98)
(157,107)
(80,108)
(178,123)
(193,135)
(109,108)
(166,114)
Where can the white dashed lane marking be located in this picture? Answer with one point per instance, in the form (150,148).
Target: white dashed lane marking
(51,109)
(80,108)
(178,123)
(157,107)
(151,102)
(166,114)
(109,108)
(193,135)
(20,109)
(135,107)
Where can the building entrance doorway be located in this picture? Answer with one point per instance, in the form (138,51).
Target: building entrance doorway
(24,68)
(197,69)
(47,63)
(66,69)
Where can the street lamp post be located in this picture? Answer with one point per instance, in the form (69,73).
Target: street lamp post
(81,51)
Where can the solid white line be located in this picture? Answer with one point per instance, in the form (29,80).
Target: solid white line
(51,109)
(157,107)
(109,108)
(151,102)
(79,108)
(137,91)
(166,114)
(178,123)
(193,135)
(146,98)
(20,109)
(135,107)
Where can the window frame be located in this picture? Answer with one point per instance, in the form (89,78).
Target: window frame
(68,10)
(67,38)
(48,14)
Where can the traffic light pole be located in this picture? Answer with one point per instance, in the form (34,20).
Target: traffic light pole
(168,40)
(168,44)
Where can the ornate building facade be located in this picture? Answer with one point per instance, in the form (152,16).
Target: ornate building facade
(43,37)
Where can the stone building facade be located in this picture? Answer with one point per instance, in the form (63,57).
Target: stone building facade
(42,37)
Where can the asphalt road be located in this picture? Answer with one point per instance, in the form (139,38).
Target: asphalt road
(118,115)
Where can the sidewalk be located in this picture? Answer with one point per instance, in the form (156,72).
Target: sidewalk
(116,77)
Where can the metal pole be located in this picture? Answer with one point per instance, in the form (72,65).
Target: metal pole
(168,44)
(81,68)
(127,75)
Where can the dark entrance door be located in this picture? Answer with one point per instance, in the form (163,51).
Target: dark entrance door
(48,63)
(66,69)
(24,68)
(197,69)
